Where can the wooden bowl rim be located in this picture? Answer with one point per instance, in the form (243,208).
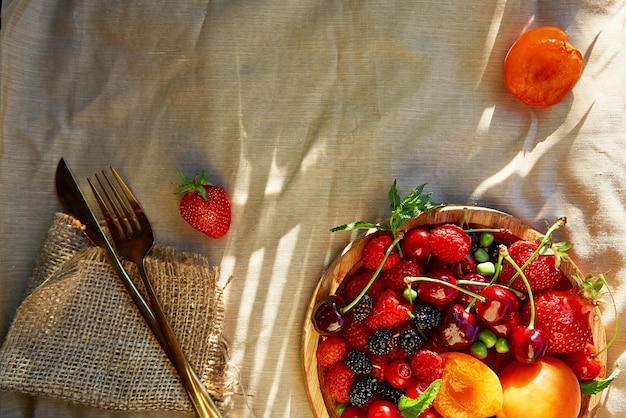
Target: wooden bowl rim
(342,264)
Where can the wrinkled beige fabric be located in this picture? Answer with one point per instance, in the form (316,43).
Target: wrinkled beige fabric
(305,111)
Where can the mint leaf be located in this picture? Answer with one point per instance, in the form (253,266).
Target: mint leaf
(596,386)
(354,225)
(412,408)
(402,210)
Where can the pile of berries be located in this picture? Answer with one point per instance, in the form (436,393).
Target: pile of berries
(419,293)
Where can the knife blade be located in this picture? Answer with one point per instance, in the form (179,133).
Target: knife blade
(73,202)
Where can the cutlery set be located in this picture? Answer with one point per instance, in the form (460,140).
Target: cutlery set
(131,239)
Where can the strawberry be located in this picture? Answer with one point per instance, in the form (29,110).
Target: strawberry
(564,317)
(374,253)
(204,206)
(390,310)
(330,351)
(449,243)
(338,380)
(542,272)
(394,277)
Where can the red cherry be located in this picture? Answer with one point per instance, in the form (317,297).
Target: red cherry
(584,363)
(528,344)
(399,374)
(467,265)
(327,317)
(382,409)
(416,389)
(504,330)
(436,293)
(353,412)
(465,299)
(415,245)
(459,328)
(427,414)
(499,307)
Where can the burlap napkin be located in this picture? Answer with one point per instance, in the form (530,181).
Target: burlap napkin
(78,336)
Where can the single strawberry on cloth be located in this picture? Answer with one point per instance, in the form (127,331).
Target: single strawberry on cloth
(77,336)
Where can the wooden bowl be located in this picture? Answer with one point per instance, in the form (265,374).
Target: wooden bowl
(322,404)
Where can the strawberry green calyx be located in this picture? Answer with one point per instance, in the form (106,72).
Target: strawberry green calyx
(194,185)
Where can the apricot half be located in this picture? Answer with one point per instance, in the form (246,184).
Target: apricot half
(545,389)
(469,389)
(542,67)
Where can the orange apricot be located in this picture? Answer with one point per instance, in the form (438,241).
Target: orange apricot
(542,67)
(547,388)
(469,389)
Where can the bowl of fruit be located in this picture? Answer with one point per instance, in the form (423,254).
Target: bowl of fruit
(457,312)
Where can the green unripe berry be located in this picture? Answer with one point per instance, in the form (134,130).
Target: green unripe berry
(409,294)
(486,269)
(479,350)
(502,345)
(481,255)
(486,239)
(488,338)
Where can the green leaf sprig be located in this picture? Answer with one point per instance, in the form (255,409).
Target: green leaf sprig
(402,209)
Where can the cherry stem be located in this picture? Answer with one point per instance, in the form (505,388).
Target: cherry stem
(546,238)
(516,292)
(531,300)
(374,276)
(410,279)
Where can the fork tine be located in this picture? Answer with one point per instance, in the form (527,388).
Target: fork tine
(115,228)
(125,213)
(139,215)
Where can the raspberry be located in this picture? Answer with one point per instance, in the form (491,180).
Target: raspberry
(356,336)
(394,277)
(358,362)
(449,243)
(410,341)
(356,284)
(362,391)
(330,351)
(427,366)
(381,342)
(426,317)
(363,308)
(338,380)
(374,252)
(390,310)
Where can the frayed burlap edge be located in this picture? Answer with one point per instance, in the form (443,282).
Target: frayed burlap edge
(78,337)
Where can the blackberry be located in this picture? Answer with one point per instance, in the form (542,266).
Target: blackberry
(389,393)
(362,391)
(358,362)
(410,341)
(426,317)
(381,341)
(363,308)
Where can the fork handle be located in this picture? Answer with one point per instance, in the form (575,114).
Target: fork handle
(198,395)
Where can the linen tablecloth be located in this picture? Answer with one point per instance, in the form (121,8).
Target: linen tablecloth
(305,111)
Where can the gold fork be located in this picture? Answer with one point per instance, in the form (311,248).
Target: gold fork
(133,239)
